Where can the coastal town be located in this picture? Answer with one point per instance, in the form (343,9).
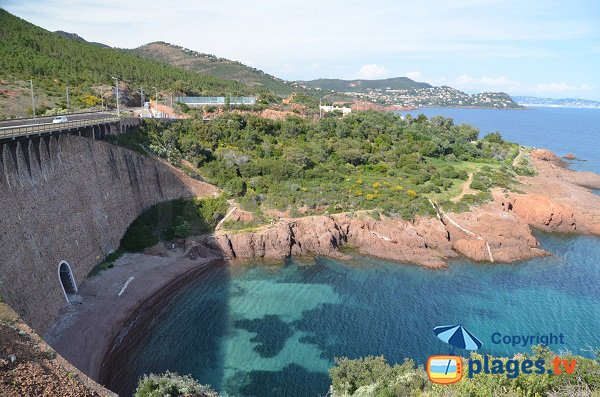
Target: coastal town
(435,96)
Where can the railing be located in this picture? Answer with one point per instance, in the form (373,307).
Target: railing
(85,112)
(32,129)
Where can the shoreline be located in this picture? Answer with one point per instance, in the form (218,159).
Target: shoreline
(132,332)
(89,335)
(557,199)
(86,330)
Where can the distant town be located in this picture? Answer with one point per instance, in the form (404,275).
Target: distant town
(436,96)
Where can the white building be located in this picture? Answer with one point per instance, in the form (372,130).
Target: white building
(330,108)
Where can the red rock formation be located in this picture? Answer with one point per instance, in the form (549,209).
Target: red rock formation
(557,199)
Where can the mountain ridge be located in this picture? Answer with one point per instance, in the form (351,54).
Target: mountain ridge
(76,37)
(364,85)
(214,66)
(556,102)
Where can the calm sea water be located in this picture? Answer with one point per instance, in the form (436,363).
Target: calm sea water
(561,130)
(264,331)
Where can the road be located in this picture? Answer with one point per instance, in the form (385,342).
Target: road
(29,127)
(48,119)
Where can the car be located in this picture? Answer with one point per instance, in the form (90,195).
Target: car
(59,119)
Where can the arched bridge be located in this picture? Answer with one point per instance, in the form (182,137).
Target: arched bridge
(90,125)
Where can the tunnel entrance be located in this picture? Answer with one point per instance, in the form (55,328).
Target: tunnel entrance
(67,281)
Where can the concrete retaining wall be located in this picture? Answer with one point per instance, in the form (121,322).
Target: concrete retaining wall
(71,198)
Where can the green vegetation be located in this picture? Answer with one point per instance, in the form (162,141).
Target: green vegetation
(172,220)
(395,83)
(170,384)
(364,161)
(218,67)
(107,263)
(53,62)
(374,377)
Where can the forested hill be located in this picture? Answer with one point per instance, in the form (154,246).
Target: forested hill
(52,61)
(395,83)
(75,36)
(214,66)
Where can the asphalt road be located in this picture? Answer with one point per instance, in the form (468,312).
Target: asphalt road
(45,120)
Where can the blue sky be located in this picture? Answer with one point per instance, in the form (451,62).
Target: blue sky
(542,48)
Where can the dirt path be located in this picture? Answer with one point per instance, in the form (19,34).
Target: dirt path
(466,189)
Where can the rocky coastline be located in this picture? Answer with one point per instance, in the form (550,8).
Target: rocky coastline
(555,200)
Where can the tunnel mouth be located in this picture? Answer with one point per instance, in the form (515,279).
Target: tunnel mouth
(66,279)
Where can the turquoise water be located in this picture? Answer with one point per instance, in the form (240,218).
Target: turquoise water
(274,331)
(263,330)
(561,130)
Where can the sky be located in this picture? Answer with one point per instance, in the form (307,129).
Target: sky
(542,48)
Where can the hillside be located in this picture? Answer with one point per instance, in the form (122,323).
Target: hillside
(558,103)
(404,92)
(55,62)
(214,66)
(76,37)
(395,83)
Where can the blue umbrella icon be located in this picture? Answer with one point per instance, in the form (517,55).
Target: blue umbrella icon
(457,336)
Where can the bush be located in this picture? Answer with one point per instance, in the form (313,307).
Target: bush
(181,228)
(138,236)
(374,377)
(173,219)
(171,384)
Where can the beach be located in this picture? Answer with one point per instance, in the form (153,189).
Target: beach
(86,331)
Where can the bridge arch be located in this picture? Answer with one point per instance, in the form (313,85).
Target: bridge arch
(66,279)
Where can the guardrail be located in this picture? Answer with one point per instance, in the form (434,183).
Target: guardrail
(33,129)
(105,111)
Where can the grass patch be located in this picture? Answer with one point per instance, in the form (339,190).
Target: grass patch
(243,226)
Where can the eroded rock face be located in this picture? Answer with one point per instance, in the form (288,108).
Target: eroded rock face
(425,241)
(544,213)
(557,199)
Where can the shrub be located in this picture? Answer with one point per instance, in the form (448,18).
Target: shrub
(181,228)
(171,384)
(373,376)
(138,237)
(173,219)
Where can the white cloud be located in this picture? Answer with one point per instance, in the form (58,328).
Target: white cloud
(501,83)
(372,71)
(562,87)
(415,75)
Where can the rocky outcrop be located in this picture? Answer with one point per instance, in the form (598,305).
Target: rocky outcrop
(557,199)
(425,241)
(544,213)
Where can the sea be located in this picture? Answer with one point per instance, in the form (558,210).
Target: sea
(276,329)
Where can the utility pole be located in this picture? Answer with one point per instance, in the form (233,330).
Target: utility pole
(156,100)
(102,96)
(32,98)
(117,85)
(320,110)
(142,97)
(68,104)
